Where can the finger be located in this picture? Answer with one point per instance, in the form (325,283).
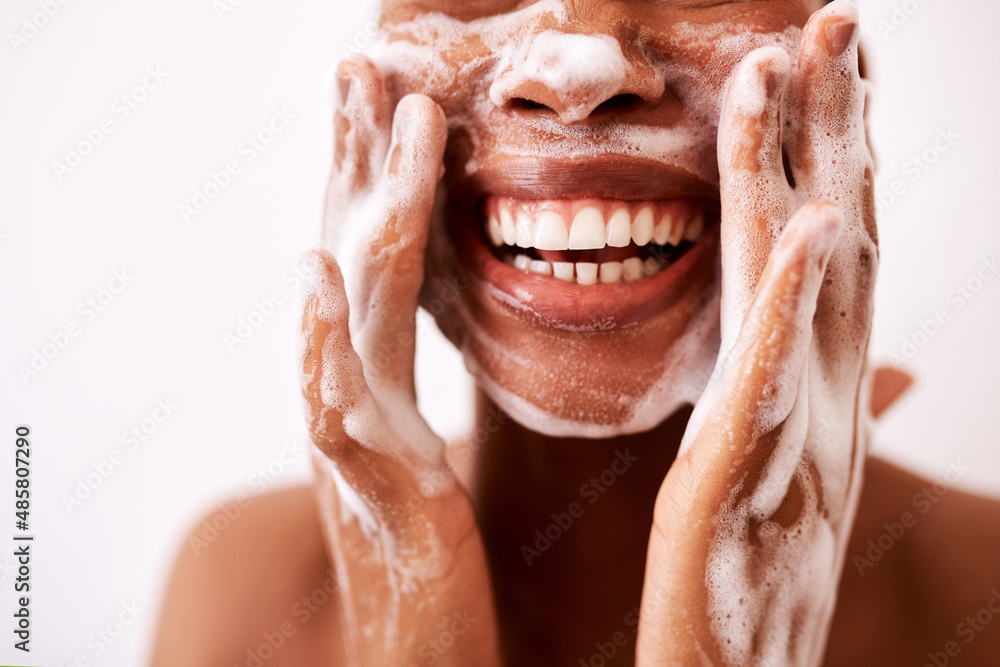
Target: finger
(755,193)
(341,410)
(830,158)
(757,386)
(365,460)
(740,439)
(361,126)
(777,332)
(869,102)
(828,147)
(390,264)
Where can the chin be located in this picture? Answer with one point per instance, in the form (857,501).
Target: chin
(592,415)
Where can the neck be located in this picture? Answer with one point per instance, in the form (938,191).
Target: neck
(566,522)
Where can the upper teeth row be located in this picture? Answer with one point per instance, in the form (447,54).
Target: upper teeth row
(547,230)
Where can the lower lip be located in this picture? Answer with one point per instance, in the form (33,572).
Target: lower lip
(553,303)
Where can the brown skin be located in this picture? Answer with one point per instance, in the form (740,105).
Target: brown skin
(422,551)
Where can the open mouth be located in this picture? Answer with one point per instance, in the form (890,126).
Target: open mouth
(584,244)
(590,264)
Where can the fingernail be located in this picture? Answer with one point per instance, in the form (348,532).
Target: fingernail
(838,37)
(344,89)
(771,83)
(400,132)
(308,270)
(402,122)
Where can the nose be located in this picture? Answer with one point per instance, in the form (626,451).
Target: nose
(575,75)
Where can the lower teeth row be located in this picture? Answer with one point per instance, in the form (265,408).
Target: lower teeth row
(590,273)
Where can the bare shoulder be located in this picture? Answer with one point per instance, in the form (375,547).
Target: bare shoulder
(252,585)
(921,577)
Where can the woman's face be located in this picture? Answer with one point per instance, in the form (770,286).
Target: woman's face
(579,213)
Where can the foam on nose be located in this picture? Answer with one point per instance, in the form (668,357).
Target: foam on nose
(582,71)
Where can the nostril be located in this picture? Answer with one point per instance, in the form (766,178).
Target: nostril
(623,101)
(521,104)
(787,164)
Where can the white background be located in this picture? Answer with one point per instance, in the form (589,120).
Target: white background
(162,336)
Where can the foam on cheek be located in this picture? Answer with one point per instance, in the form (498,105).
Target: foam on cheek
(418,50)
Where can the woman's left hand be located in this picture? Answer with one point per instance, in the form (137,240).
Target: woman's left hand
(752,522)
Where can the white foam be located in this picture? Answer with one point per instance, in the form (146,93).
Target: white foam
(580,70)
(351,504)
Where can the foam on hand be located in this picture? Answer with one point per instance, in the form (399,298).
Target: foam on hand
(779,613)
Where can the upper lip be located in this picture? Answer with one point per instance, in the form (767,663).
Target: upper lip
(617,177)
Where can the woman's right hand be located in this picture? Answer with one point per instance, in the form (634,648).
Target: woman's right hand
(400,530)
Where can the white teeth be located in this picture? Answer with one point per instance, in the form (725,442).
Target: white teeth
(611,272)
(550,232)
(663,230)
(642,227)
(545,228)
(590,273)
(588,231)
(695,228)
(507,226)
(563,271)
(620,228)
(524,231)
(540,266)
(586,273)
(496,234)
(676,233)
(632,269)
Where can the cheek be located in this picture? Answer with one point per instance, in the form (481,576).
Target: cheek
(699,59)
(446,60)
